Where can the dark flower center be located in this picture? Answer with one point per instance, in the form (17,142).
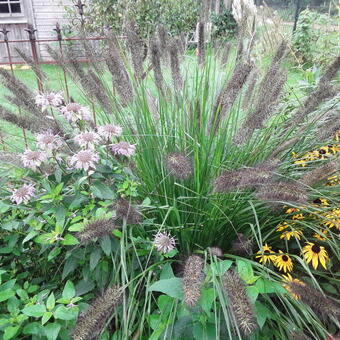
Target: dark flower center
(316,249)
(317,201)
(267,251)
(322,151)
(284,258)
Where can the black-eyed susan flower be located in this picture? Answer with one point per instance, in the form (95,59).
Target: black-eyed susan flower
(292,210)
(333,181)
(288,234)
(298,217)
(283,262)
(289,279)
(282,226)
(321,234)
(315,254)
(266,254)
(321,201)
(332,219)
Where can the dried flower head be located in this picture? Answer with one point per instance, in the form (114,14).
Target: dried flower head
(179,165)
(193,280)
(239,302)
(90,324)
(164,243)
(84,159)
(23,194)
(33,159)
(216,251)
(124,149)
(87,139)
(95,229)
(74,112)
(49,141)
(110,130)
(242,246)
(125,210)
(49,99)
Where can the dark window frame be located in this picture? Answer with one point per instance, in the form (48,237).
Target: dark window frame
(11,14)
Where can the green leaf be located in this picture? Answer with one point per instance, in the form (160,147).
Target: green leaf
(36,311)
(32,328)
(46,238)
(84,286)
(53,253)
(102,191)
(262,313)
(30,235)
(253,293)
(64,313)
(6,294)
(69,291)
(69,240)
(70,265)
(167,272)
(10,225)
(219,268)
(95,257)
(46,317)
(76,227)
(105,243)
(10,332)
(50,303)
(245,270)
(207,298)
(172,287)
(52,330)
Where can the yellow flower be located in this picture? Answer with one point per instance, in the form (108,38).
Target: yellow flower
(301,162)
(321,201)
(333,219)
(333,180)
(321,235)
(283,262)
(288,278)
(292,210)
(315,254)
(287,235)
(282,226)
(266,254)
(298,217)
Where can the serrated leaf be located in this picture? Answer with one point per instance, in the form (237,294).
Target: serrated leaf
(105,243)
(64,313)
(102,191)
(95,257)
(76,227)
(52,330)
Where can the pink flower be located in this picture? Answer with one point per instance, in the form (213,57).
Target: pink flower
(87,139)
(48,141)
(33,159)
(123,148)
(23,194)
(164,243)
(49,99)
(74,112)
(85,159)
(109,131)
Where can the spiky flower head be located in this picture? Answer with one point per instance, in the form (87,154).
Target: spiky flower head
(313,253)
(315,299)
(124,149)
(90,324)
(179,165)
(164,243)
(49,99)
(23,194)
(193,279)
(242,246)
(126,211)
(94,229)
(87,139)
(85,160)
(33,159)
(74,112)
(239,302)
(110,130)
(49,141)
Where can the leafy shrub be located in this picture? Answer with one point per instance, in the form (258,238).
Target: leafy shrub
(157,206)
(225,26)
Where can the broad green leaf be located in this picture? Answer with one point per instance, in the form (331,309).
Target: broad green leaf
(50,303)
(36,311)
(262,313)
(69,291)
(207,298)
(52,330)
(95,257)
(84,286)
(69,240)
(47,238)
(219,268)
(6,294)
(245,270)
(105,243)
(253,293)
(30,235)
(46,317)
(10,332)
(11,225)
(76,227)
(167,272)
(102,191)
(64,313)
(53,253)
(171,287)
(33,328)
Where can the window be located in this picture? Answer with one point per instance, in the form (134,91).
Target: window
(11,8)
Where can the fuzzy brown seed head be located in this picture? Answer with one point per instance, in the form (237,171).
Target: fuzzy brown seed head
(242,246)
(298,335)
(90,324)
(94,229)
(216,251)
(239,302)
(193,280)
(320,173)
(126,211)
(179,165)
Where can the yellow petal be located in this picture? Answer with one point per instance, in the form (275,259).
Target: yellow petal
(315,262)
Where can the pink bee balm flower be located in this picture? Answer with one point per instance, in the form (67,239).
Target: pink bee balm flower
(33,159)
(124,149)
(85,159)
(49,99)
(74,112)
(164,243)
(87,139)
(23,194)
(48,141)
(109,131)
